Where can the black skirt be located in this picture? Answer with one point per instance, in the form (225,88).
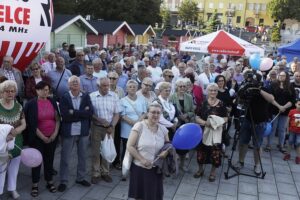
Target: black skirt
(145,184)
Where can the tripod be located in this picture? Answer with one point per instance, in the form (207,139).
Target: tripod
(256,148)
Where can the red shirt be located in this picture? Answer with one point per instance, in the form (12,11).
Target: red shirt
(294,123)
(46,117)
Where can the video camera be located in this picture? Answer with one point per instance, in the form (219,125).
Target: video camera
(250,87)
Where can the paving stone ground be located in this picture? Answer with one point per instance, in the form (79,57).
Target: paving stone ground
(282,182)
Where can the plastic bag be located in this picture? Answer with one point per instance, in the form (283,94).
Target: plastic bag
(126,164)
(107,149)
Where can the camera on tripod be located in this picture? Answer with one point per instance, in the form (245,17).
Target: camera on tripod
(250,88)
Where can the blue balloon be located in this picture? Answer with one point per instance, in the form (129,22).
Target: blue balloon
(268,129)
(187,136)
(254,61)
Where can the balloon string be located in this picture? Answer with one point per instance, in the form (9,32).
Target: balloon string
(18,147)
(275,117)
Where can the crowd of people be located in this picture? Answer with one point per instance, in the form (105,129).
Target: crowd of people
(140,96)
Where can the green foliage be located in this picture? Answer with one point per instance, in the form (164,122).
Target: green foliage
(188,11)
(133,11)
(64,7)
(212,23)
(165,15)
(284,9)
(275,36)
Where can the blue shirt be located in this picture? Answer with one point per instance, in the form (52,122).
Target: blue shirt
(140,107)
(87,84)
(63,86)
(122,81)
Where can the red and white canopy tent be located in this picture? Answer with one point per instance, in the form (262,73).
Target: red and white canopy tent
(221,42)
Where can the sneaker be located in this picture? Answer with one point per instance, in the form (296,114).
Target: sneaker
(257,170)
(15,194)
(287,157)
(297,160)
(62,187)
(239,165)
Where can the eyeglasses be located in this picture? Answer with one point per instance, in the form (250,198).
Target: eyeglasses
(213,90)
(155,113)
(221,80)
(181,86)
(113,78)
(148,85)
(35,69)
(9,91)
(170,76)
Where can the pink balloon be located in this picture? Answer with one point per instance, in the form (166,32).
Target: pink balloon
(266,64)
(31,157)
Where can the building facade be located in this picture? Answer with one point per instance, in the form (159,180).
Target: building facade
(237,13)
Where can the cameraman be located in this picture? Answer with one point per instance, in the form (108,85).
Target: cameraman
(257,99)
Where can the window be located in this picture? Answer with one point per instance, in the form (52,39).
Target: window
(221,5)
(238,19)
(231,5)
(200,5)
(263,7)
(250,6)
(240,6)
(261,21)
(257,6)
(211,5)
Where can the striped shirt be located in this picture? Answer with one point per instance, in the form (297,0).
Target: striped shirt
(105,106)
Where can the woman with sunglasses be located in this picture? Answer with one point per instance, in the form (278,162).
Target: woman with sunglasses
(144,143)
(37,76)
(167,77)
(147,90)
(185,108)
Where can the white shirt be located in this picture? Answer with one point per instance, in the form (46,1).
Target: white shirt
(76,126)
(47,67)
(170,109)
(156,73)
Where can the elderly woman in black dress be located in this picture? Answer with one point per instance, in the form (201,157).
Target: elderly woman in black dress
(210,154)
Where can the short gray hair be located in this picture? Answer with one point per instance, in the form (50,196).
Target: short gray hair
(211,85)
(8,83)
(100,80)
(73,78)
(131,82)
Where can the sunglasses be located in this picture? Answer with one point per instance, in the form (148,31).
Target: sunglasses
(112,78)
(170,76)
(155,113)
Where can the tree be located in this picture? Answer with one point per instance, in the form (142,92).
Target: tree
(133,11)
(284,9)
(188,11)
(64,7)
(165,15)
(275,36)
(212,23)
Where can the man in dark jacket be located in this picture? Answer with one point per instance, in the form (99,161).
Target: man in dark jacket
(76,111)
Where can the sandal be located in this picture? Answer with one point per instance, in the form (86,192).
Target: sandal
(267,149)
(34,191)
(51,187)
(212,178)
(198,174)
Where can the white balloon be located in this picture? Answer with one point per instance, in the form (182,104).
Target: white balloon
(25,27)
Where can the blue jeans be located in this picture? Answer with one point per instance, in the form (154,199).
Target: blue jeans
(294,139)
(247,130)
(279,125)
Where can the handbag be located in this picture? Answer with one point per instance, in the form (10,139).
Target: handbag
(128,157)
(55,97)
(107,149)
